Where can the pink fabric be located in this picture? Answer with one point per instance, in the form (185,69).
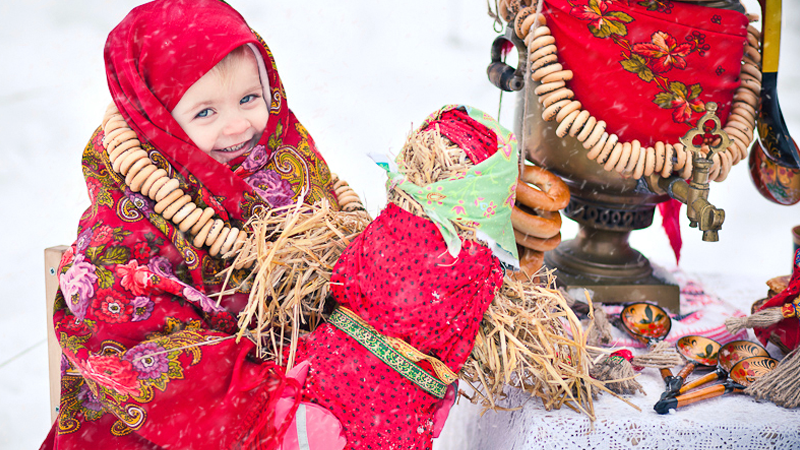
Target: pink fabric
(440,416)
(324,431)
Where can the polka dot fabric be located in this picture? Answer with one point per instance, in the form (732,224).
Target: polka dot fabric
(398,277)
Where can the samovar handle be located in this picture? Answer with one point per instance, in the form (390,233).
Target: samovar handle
(502,75)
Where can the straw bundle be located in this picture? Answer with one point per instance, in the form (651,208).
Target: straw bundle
(523,343)
(293,251)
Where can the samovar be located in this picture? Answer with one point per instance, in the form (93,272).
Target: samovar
(606,205)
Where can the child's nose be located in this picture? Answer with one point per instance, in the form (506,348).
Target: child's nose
(236,125)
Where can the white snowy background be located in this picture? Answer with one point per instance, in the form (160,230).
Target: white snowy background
(358,74)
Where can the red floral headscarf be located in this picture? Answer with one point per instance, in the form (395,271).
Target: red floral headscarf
(648,67)
(146,84)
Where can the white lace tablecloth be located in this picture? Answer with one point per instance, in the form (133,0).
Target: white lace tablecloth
(735,421)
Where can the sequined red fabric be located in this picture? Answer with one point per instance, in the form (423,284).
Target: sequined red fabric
(398,276)
(478,141)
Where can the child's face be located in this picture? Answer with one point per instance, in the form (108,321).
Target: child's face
(224,112)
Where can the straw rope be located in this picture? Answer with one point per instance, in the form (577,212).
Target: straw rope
(781,385)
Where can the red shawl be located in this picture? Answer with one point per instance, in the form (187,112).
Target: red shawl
(143,365)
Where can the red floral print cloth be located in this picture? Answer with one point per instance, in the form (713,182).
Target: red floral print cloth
(648,67)
(478,141)
(399,277)
(148,360)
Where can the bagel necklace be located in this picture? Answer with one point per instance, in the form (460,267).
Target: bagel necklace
(130,160)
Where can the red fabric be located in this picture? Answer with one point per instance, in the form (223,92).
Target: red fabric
(648,67)
(670,219)
(398,276)
(787,330)
(478,141)
(142,367)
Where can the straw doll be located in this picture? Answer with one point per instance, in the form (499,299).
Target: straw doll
(412,289)
(198,139)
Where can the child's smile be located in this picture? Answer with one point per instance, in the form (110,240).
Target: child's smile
(228,153)
(224,112)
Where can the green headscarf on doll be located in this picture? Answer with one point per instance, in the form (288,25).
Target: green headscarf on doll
(481,198)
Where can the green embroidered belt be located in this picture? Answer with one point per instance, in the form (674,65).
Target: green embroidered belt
(378,345)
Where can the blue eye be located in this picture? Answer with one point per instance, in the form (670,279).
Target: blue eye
(248,99)
(204,113)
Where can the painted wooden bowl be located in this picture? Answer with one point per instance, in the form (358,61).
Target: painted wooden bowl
(733,352)
(699,349)
(748,370)
(645,321)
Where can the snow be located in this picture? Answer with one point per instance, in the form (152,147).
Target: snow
(358,74)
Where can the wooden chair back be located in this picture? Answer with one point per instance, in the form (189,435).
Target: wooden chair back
(52,256)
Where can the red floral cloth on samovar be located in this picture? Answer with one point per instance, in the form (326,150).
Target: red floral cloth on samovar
(648,67)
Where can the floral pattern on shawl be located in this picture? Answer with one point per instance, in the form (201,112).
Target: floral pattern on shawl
(267,183)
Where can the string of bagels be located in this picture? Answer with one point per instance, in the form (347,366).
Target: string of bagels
(130,160)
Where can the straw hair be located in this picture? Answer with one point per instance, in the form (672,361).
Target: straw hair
(294,250)
(428,157)
(781,385)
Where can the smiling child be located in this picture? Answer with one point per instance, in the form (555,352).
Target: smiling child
(148,359)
